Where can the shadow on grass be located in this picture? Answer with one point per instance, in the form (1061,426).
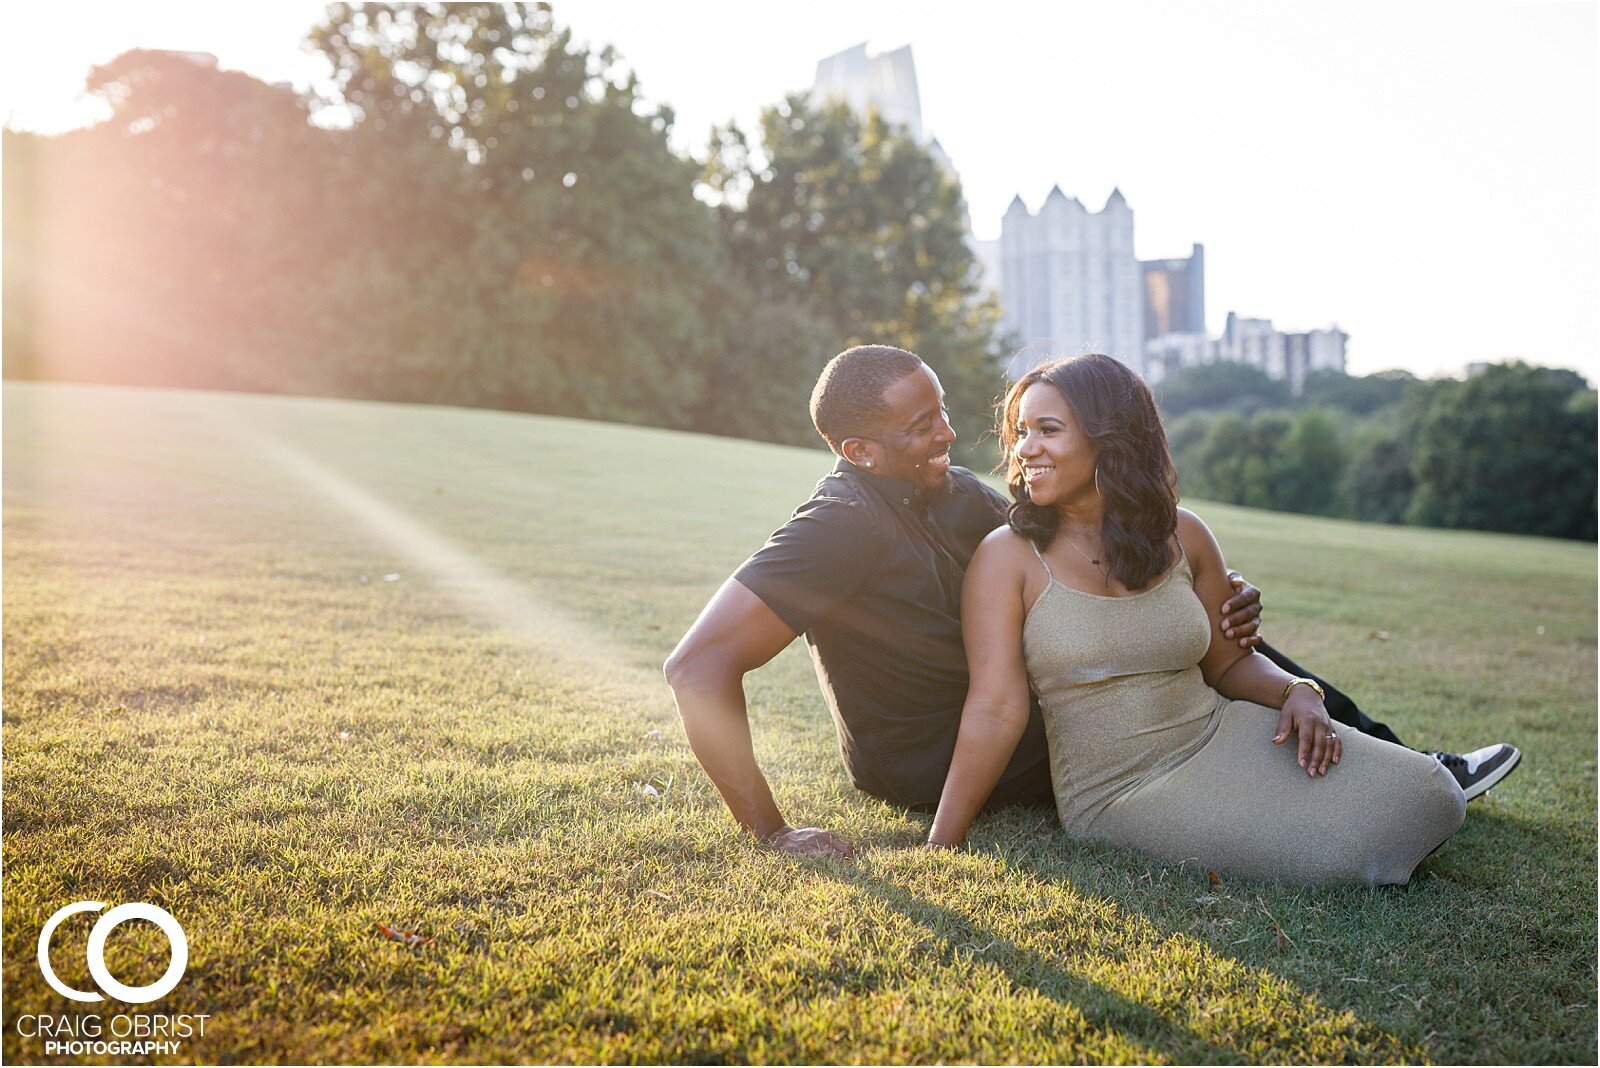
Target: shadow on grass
(1519,888)
(1533,884)
(1495,843)
(1282,925)
(959,939)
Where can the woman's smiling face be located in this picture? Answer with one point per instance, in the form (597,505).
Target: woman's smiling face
(1056,457)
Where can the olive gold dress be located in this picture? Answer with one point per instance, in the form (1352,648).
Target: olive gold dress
(1145,755)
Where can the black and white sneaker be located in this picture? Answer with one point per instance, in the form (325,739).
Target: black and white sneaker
(1480,769)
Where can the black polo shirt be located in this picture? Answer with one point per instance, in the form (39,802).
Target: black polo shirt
(870,571)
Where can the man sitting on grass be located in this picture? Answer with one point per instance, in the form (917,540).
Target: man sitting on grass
(869,569)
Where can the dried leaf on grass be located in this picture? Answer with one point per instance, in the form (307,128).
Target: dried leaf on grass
(409,938)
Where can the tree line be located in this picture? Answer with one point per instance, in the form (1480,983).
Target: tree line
(503,222)
(1512,448)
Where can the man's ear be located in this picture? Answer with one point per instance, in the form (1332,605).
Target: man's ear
(857,450)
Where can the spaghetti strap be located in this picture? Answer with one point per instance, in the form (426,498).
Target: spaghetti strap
(1047,572)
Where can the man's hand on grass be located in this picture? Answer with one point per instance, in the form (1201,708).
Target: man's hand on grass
(808,842)
(1241,613)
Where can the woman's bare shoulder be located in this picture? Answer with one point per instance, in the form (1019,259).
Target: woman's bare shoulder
(1003,542)
(1189,523)
(1002,551)
(1197,541)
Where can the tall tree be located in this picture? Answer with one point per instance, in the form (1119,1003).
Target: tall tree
(1511,449)
(1236,462)
(24,246)
(1308,466)
(168,243)
(849,217)
(590,257)
(1377,484)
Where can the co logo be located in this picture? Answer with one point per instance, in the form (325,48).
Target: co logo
(136,995)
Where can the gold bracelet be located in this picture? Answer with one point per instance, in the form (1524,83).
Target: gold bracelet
(1303,682)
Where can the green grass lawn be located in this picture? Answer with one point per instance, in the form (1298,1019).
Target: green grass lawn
(292,668)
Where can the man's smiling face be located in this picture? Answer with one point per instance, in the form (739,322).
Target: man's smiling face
(912,441)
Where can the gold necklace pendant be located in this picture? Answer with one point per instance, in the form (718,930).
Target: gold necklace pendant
(1093,560)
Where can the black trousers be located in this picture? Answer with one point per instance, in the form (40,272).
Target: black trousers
(1340,708)
(1033,787)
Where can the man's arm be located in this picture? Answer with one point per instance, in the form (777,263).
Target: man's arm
(737,632)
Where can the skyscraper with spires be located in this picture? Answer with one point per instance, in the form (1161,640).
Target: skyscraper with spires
(1069,281)
(1067,277)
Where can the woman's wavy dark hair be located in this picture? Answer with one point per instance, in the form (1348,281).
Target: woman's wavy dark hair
(1134,472)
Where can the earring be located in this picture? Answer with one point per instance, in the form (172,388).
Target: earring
(869,463)
(1097,480)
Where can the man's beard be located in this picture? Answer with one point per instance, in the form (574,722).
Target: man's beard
(933,494)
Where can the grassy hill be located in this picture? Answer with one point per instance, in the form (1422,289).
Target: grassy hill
(293,668)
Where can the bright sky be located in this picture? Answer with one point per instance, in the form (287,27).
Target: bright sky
(1426,175)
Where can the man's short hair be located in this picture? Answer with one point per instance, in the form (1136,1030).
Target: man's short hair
(848,399)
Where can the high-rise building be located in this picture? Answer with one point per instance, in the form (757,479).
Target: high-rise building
(1286,357)
(1325,351)
(1167,354)
(885,83)
(1067,278)
(1069,281)
(988,256)
(1175,295)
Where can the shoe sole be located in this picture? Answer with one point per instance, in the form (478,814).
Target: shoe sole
(1488,782)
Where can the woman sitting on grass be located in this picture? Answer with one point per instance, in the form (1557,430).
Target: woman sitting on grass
(1164,736)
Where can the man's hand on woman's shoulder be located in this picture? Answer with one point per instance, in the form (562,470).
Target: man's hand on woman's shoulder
(1241,613)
